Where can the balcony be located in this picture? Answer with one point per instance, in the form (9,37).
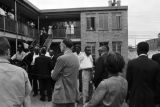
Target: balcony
(61,33)
(12,26)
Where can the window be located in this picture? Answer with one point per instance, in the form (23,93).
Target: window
(116,46)
(103,44)
(117,21)
(103,21)
(90,23)
(92,46)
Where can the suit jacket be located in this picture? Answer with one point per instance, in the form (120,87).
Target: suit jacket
(100,72)
(65,73)
(143,82)
(43,67)
(27,60)
(156,57)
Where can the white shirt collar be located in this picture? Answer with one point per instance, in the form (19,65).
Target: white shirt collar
(143,55)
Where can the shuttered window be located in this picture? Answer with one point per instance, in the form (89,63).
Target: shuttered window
(103,21)
(116,21)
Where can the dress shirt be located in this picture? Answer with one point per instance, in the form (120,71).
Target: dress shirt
(85,61)
(14,85)
(19,56)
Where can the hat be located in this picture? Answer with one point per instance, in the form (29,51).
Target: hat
(102,48)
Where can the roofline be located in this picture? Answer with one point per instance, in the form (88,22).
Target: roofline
(85,9)
(81,9)
(32,5)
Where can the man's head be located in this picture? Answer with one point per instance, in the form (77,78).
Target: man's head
(20,47)
(103,49)
(87,50)
(77,49)
(36,49)
(44,47)
(43,51)
(51,52)
(66,43)
(4,47)
(31,48)
(142,48)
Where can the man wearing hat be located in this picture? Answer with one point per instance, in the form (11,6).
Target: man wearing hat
(100,73)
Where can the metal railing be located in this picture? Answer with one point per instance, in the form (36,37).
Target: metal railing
(12,26)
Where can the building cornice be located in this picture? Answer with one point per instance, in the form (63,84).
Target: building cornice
(85,9)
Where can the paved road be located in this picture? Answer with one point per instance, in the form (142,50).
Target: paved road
(35,102)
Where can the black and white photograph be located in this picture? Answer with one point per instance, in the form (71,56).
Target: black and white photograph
(79,53)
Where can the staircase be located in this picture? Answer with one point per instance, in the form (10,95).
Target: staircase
(48,41)
(34,42)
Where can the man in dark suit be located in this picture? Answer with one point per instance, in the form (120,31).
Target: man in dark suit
(100,73)
(65,74)
(43,67)
(143,76)
(53,60)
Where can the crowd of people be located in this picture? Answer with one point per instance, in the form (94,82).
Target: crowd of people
(72,76)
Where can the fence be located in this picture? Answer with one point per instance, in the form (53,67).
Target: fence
(12,26)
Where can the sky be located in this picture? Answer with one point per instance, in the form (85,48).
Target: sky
(143,15)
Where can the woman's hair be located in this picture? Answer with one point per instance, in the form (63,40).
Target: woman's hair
(114,63)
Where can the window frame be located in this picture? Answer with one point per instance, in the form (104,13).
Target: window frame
(116,21)
(89,21)
(118,45)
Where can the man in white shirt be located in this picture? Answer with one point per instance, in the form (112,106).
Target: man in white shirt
(86,65)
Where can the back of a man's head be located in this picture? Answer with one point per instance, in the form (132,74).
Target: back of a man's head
(4,45)
(67,42)
(142,48)
(43,51)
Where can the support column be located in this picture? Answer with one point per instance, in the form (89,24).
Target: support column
(15,6)
(38,31)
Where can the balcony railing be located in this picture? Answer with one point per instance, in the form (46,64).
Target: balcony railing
(12,26)
(61,33)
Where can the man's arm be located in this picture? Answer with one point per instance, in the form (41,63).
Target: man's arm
(57,69)
(27,100)
(13,57)
(129,78)
(98,95)
(98,72)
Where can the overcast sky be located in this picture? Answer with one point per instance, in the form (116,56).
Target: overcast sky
(143,15)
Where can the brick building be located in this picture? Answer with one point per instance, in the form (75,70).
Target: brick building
(93,26)
(105,26)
